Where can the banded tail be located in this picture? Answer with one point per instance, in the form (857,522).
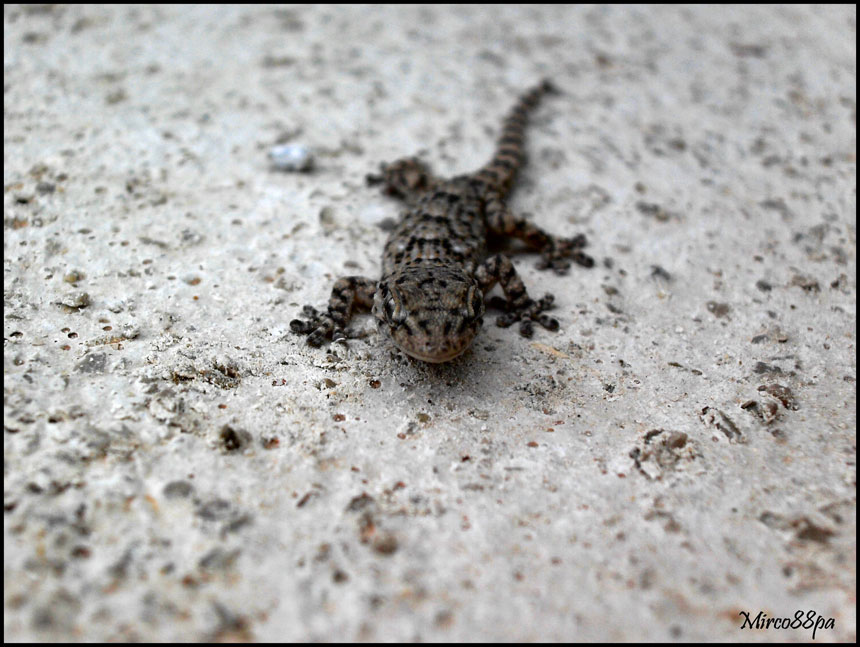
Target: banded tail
(502,169)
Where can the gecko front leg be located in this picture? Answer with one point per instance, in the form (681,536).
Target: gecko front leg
(348,293)
(554,251)
(519,306)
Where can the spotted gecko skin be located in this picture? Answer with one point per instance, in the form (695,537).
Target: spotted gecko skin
(435,270)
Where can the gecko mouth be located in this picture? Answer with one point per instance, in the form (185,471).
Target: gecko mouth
(433,351)
(435,357)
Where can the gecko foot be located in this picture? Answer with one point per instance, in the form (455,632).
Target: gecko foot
(319,326)
(556,254)
(403,178)
(530,311)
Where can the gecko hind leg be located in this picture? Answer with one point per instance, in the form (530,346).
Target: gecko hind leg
(403,178)
(556,253)
(517,304)
(348,293)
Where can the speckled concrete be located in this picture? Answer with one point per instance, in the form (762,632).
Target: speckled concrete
(178,466)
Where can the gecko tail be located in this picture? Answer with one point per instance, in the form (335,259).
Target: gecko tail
(501,170)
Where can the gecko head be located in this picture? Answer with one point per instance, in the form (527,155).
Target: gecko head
(403,178)
(431,316)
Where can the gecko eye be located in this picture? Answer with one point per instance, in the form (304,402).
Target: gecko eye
(475,301)
(394,313)
(388,306)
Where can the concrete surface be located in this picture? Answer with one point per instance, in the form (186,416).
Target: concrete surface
(178,466)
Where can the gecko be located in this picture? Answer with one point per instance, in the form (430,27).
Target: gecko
(435,266)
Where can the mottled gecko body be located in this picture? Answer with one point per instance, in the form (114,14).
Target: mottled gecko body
(435,270)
